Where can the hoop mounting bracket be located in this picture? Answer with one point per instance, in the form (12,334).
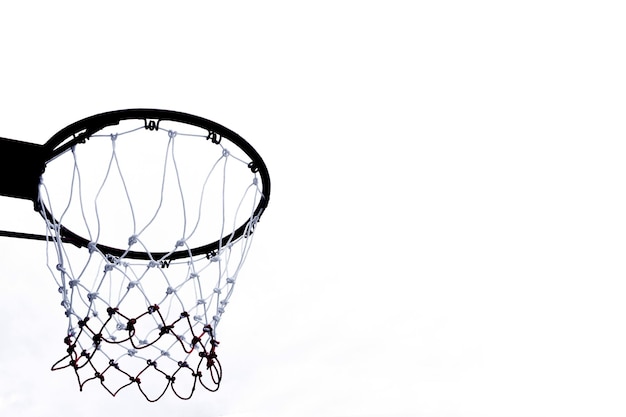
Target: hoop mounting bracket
(21,166)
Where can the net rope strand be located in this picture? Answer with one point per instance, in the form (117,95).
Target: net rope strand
(150,324)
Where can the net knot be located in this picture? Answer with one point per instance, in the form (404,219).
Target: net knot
(230,280)
(180,243)
(111,311)
(92,247)
(153,308)
(74,282)
(60,268)
(113,137)
(130,326)
(217,290)
(172,134)
(165,330)
(153,264)
(108,267)
(131,284)
(170,291)
(132,240)
(225,153)
(92,296)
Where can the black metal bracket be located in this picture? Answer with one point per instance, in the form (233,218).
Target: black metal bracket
(21,166)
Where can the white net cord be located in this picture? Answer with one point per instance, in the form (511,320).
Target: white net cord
(149,322)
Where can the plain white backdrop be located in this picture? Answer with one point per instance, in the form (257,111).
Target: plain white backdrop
(445,235)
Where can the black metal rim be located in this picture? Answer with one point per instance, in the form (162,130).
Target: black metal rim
(80,131)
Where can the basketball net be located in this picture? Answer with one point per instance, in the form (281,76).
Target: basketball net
(147,316)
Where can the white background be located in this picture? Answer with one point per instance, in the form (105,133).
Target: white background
(446,232)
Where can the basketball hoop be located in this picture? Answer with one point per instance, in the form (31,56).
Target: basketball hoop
(149,218)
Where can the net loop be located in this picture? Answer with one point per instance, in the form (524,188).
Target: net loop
(151,124)
(214,137)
